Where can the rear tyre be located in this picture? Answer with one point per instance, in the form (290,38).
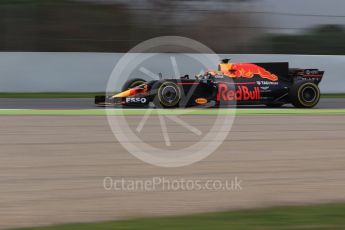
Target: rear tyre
(304,94)
(131,83)
(168,94)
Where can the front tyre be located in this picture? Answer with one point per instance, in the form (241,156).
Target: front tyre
(168,95)
(131,83)
(304,94)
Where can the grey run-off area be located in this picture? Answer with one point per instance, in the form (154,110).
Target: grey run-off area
(52,168)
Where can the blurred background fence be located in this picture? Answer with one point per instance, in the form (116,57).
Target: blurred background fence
(226,26)
(90,72)
(111,27)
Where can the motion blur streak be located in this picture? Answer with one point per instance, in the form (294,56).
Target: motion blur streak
(232,26)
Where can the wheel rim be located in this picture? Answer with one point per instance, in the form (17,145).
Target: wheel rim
(309,94)
(169,94)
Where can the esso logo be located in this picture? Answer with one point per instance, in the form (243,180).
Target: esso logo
(142,100)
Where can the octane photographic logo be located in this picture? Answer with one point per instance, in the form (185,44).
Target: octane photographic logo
(169,137)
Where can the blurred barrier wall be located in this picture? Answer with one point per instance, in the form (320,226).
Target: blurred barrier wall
(89,72)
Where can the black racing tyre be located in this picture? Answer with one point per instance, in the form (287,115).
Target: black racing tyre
(167,94)
(305,94)
(131,83)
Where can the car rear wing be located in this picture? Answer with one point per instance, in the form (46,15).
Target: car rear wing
(307,74)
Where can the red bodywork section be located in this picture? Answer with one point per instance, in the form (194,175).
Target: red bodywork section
(141,89)
(241,93)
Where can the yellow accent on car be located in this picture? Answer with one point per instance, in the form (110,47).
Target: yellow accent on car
(126,93)
(225,67)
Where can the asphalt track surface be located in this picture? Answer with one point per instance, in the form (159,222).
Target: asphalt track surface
(52,167)
(88,103)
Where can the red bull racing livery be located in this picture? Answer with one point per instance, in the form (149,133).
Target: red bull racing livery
(270,84)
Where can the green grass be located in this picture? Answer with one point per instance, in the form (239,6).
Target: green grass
(315,217)
(93,94)
(141,112)
(333,95)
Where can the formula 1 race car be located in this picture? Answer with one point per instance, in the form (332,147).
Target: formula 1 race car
(270,84)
